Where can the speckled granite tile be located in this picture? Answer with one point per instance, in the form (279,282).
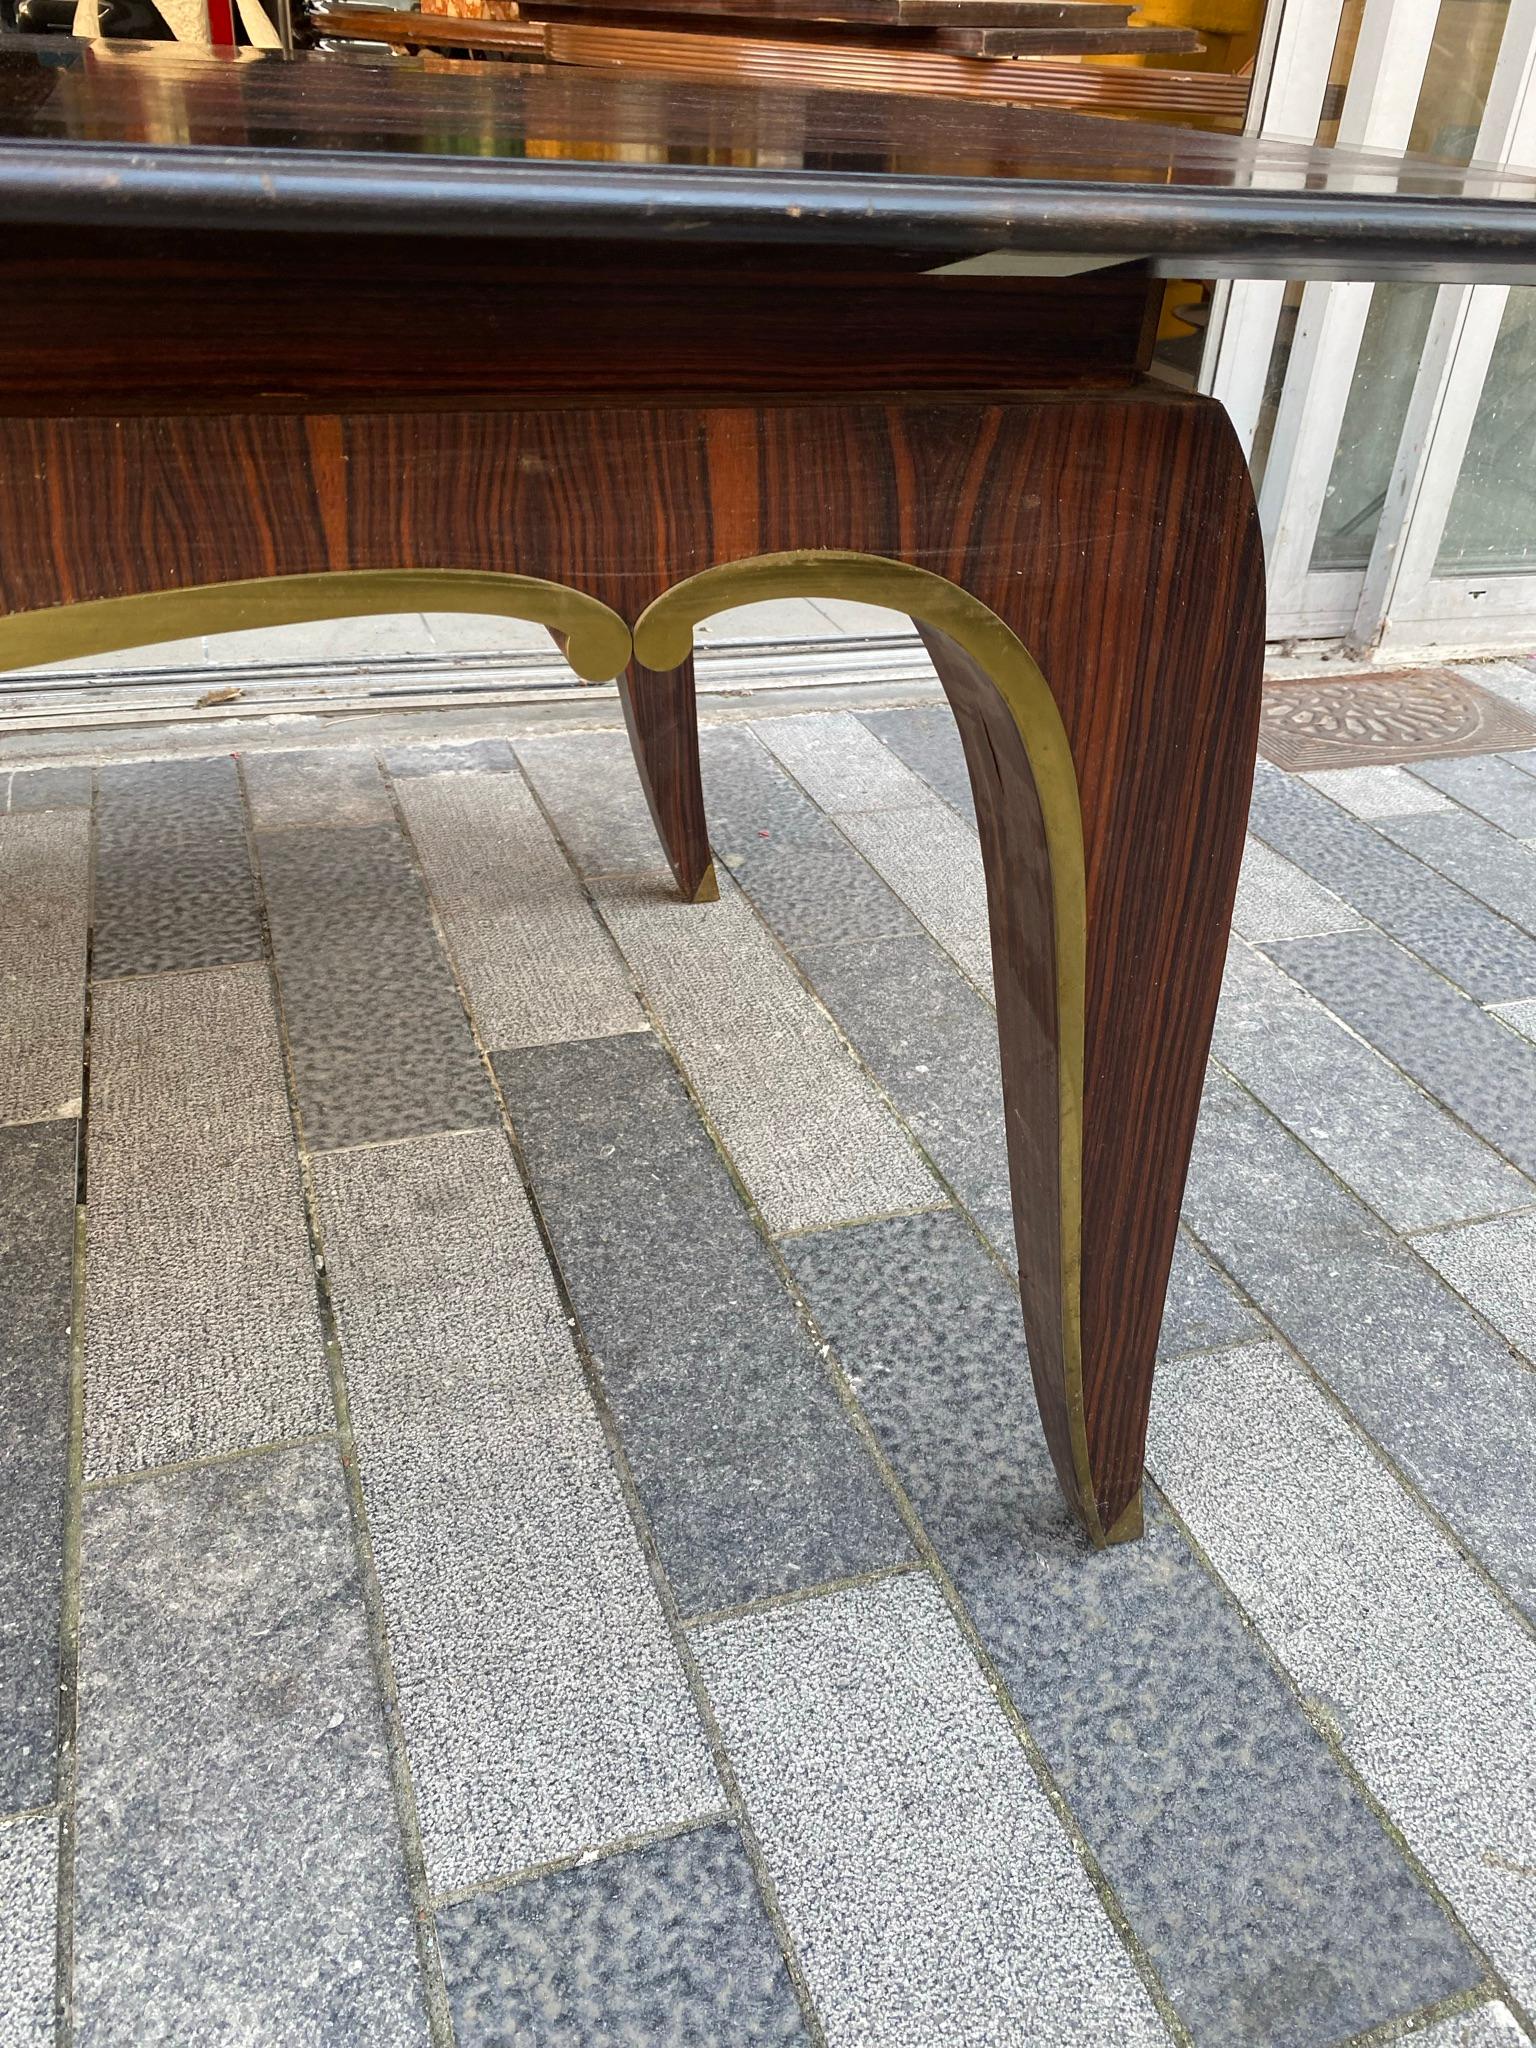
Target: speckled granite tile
(1202,1310)
(1379,792)
(173,877)
(1486,862)
(1492,1265)
(1463,1057)
(238,1869)
(29,1906)
(324,786)
(931,1042)
(1275,900)
(928,1886)
(457,757)
(590,785)
(1459,937)
(37,1233)
(479,632)
(1429,1682)
(536,964)
(1398,1150)
(201,1328)
(928,740)
(1486,2026)
(1519,1017)
(1442,1396)
(380,1042)
(50,789)
(1513,680)
(662,1947)
(1273,1907)
(808,883)
(752,1476)
(806,1130)
(841,764)
(544,1708)
(45,865)
(1523,758)
(932,859)
(1498,790)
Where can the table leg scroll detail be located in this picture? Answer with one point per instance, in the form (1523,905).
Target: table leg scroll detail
(1032,841)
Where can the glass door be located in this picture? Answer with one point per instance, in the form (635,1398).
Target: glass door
(1390,481)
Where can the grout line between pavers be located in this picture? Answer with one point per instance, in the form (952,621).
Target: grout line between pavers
(640,1521)
(413,1853)
(1383,1456)
(1327,1733)
(595,1852)
(798,1596)
(1414,2025)
(66,1779)
(111,1480)
(1217,1065)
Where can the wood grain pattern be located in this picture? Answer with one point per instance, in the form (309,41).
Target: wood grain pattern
(114,321)
(1114,534)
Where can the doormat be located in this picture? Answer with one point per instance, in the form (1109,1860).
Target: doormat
(1373,720)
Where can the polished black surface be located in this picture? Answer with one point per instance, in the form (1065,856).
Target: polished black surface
(156,136)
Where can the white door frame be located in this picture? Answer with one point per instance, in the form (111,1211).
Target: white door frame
(1403,603)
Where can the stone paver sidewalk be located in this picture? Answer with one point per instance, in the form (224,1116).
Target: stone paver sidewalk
(523,1519)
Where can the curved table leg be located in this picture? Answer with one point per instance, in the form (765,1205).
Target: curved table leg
(662,718)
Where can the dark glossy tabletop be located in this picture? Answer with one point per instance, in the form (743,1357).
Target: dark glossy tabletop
(156,135)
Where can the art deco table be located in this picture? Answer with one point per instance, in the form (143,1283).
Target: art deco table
(289,340)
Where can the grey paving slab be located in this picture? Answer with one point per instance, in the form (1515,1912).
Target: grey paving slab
(1399,1151)
(1458,936)
(589,785)
(1492,1265)
(201,1329)
(49,789)
(932,859)
(770,618)
(324,786)
(1498,790)
(1514,680)
(1275,900)
(544,1709)
(1468,1060)
(1524,758)
(173,878)
(802,1122)
(930,1890)
(1440,1394)
(1486,2026)
(238,1869)
(1272,1905)
(931,1042)
(841,764)
(37,1231)
(927,739)
(1380,792)
(536,964)
(663,1945)
(852,616)
(1428,1680)
(1203,1311)
(381,1046)
(1484,861)
(1520,1017)
(29,1906)
(45,865)
(474,757)
(752,1476)
(807,882)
